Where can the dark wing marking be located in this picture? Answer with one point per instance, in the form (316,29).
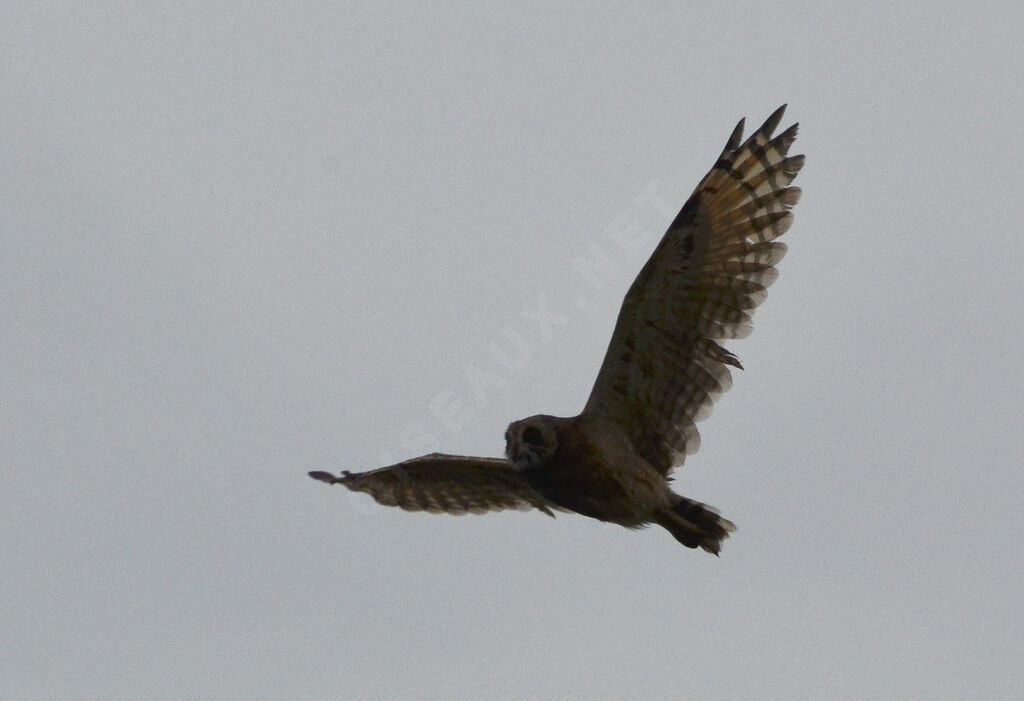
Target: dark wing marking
(437,483)
(664,366)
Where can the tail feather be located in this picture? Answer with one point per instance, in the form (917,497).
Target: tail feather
(695,525)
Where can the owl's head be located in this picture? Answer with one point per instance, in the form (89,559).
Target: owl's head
(531,442)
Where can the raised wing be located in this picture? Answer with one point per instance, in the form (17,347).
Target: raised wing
(664,366)
(437,483)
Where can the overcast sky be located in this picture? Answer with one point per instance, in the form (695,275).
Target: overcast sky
(242,243)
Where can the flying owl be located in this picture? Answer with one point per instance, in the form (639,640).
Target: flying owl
(663,370)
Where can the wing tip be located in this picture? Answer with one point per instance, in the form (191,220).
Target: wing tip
(774,118)
(326,477)
(764,132)
(735,138)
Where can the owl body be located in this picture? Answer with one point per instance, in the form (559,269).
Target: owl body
(590,470)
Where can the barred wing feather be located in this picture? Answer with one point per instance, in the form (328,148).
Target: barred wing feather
(664,366)
(437,483)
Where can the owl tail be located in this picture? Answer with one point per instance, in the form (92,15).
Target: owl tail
(695,525)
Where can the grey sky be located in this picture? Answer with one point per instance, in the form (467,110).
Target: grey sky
(240,243)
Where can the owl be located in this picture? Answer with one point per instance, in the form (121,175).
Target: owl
(663,369)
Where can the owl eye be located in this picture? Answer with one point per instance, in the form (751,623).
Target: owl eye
(532,435)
